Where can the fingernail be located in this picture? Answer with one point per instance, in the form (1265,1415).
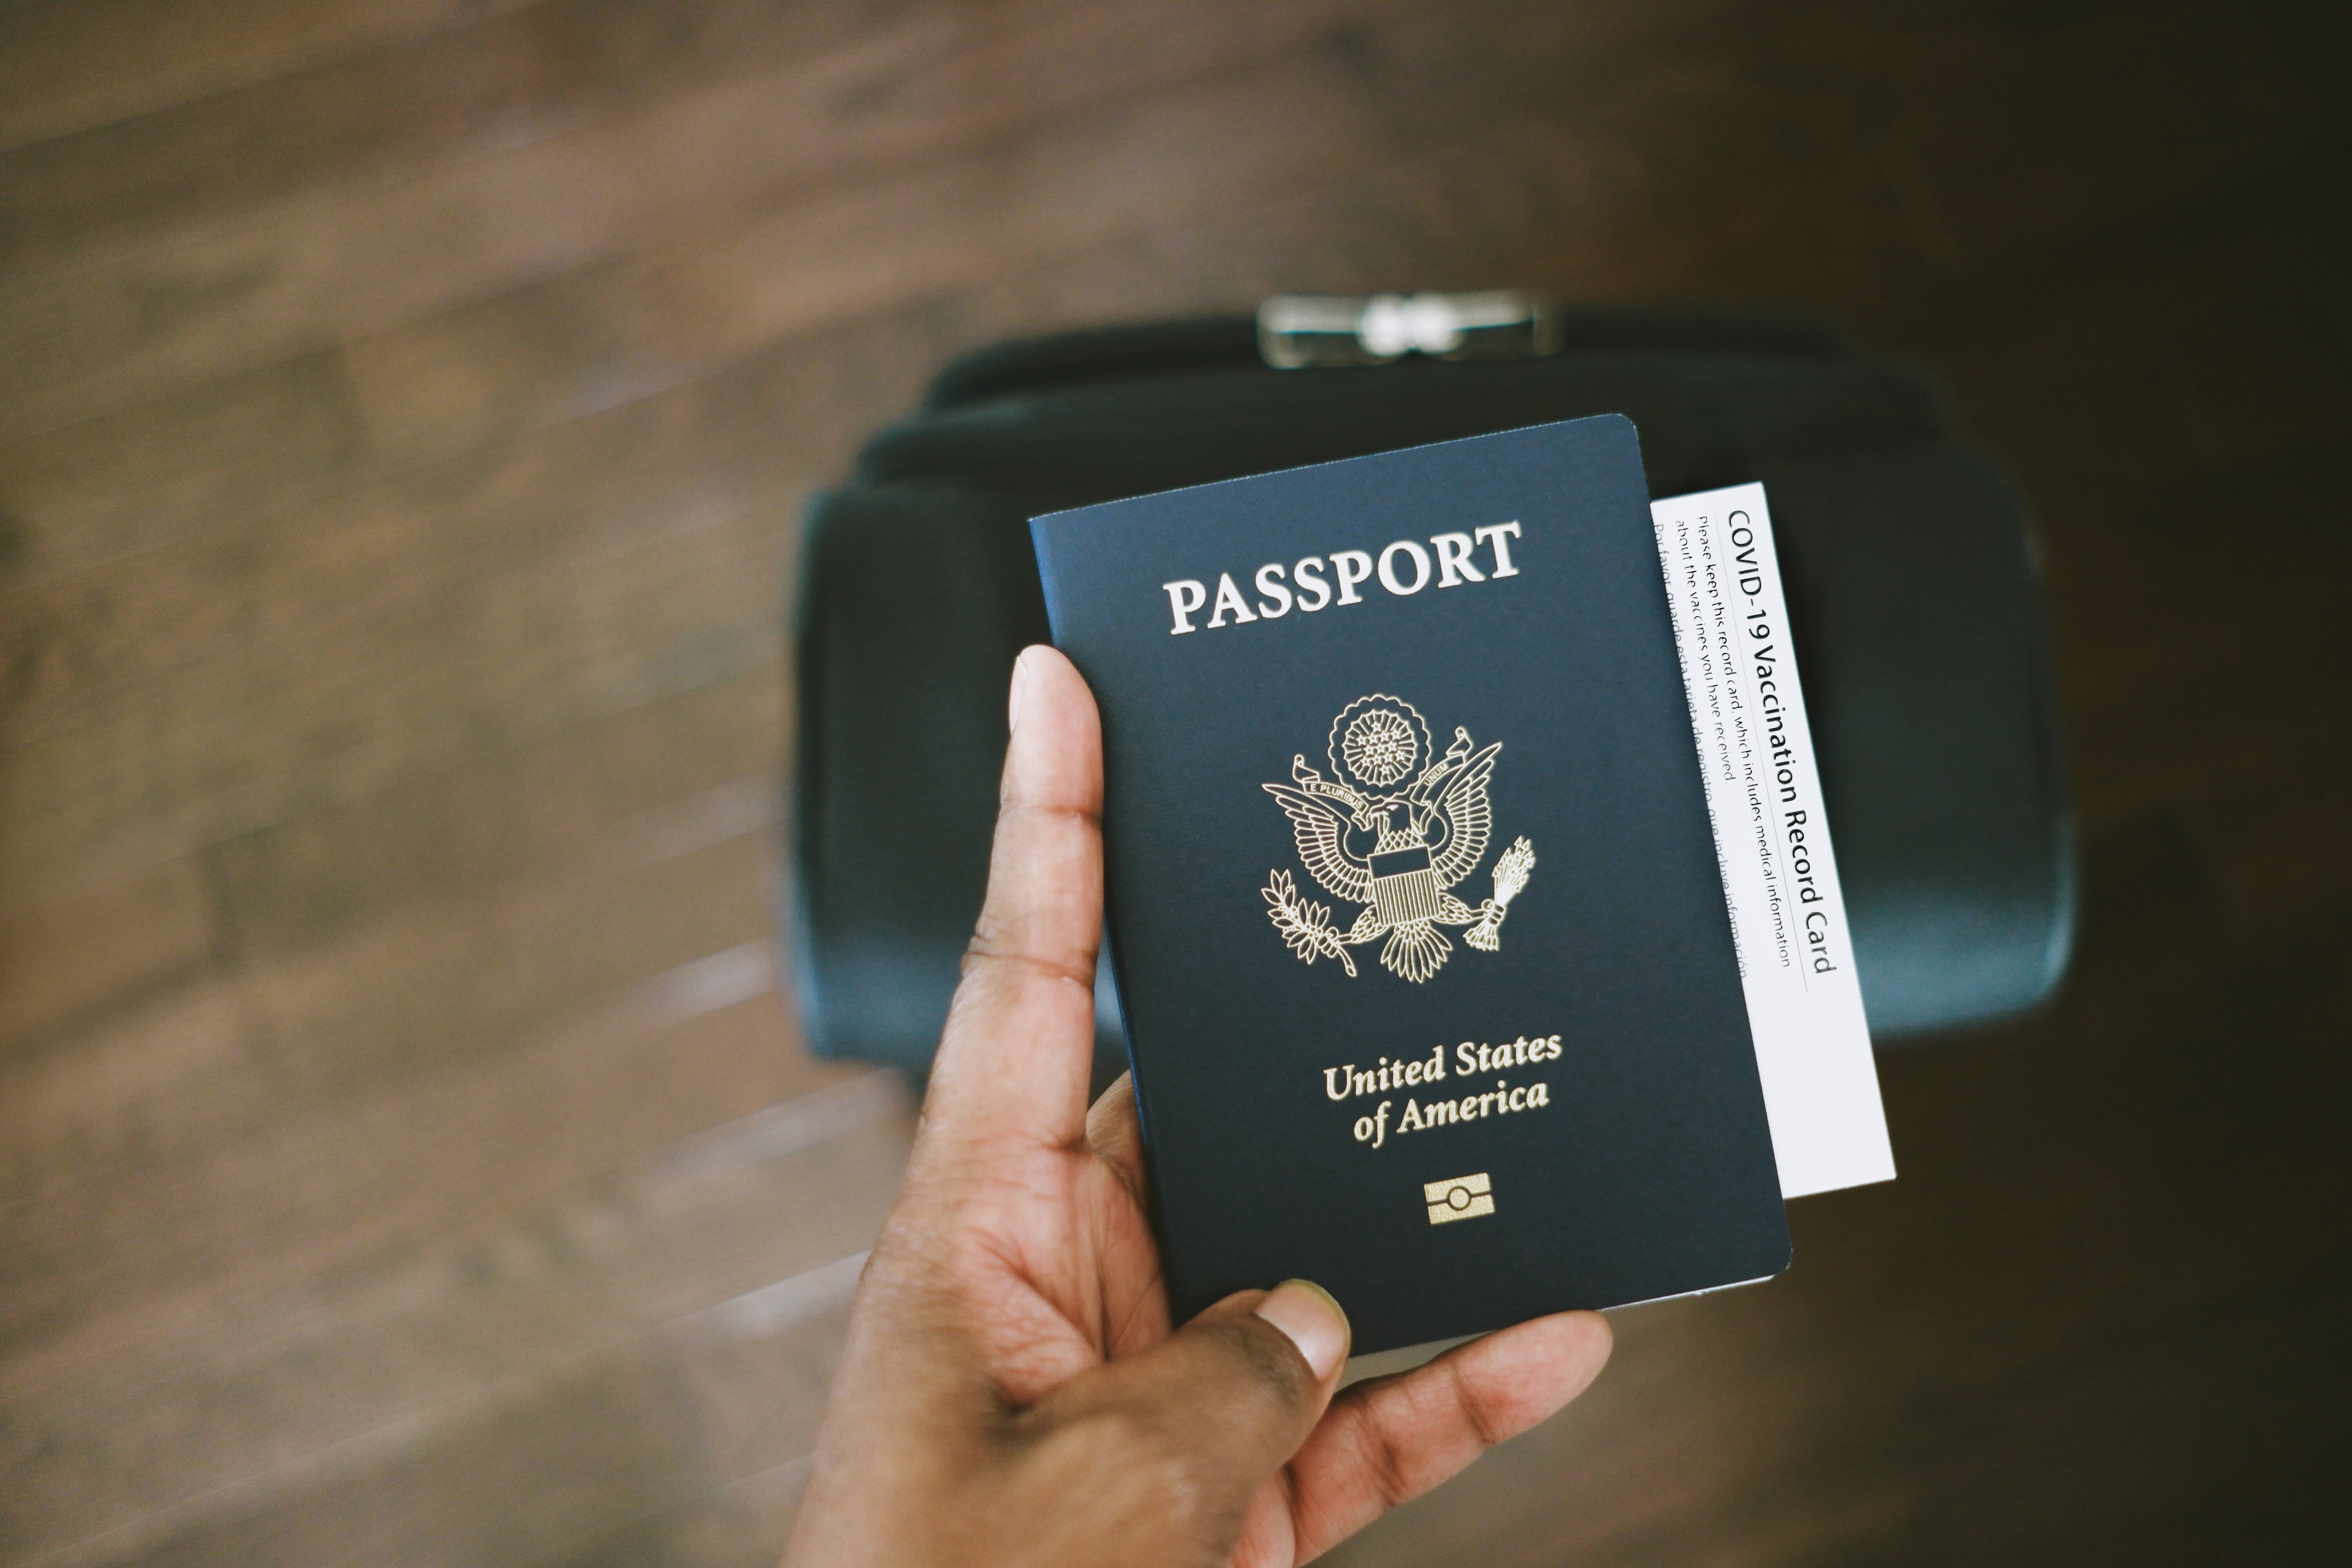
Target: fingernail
(1306,1311)
(1019,688)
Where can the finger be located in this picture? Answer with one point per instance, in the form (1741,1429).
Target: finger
(1135,1292)
(1115,1133)
(1390,1440)
(1018,1046)
(1184,1435)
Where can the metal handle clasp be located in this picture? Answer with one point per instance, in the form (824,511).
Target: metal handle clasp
(1301,332)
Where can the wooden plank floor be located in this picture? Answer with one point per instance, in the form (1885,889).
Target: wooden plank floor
(409,1157)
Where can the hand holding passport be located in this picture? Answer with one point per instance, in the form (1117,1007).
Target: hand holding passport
(1482,958)
(1011,1388)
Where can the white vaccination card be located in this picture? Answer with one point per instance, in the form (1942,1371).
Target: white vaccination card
(1772,840)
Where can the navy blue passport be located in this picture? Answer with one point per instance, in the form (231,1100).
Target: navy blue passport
(1414,913)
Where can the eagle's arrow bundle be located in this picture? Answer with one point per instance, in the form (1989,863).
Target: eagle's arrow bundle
(1355,719)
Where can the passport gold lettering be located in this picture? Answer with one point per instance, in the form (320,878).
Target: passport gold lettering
(1506,1099)
(1403,568)
(1342,1082)
(1471,1057)
(1503,1099)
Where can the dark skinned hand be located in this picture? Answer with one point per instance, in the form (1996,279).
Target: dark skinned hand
(1012,1391)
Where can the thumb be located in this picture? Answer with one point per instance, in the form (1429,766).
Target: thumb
(1180,1438)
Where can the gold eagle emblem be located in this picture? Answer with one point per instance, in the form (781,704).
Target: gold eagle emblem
(1368,836)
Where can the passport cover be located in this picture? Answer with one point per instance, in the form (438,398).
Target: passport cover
(1415,910)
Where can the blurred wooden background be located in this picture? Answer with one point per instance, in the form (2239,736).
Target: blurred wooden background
(405,408)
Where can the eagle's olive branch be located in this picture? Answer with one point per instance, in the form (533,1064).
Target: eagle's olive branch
(1511,868)
(1306,927)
